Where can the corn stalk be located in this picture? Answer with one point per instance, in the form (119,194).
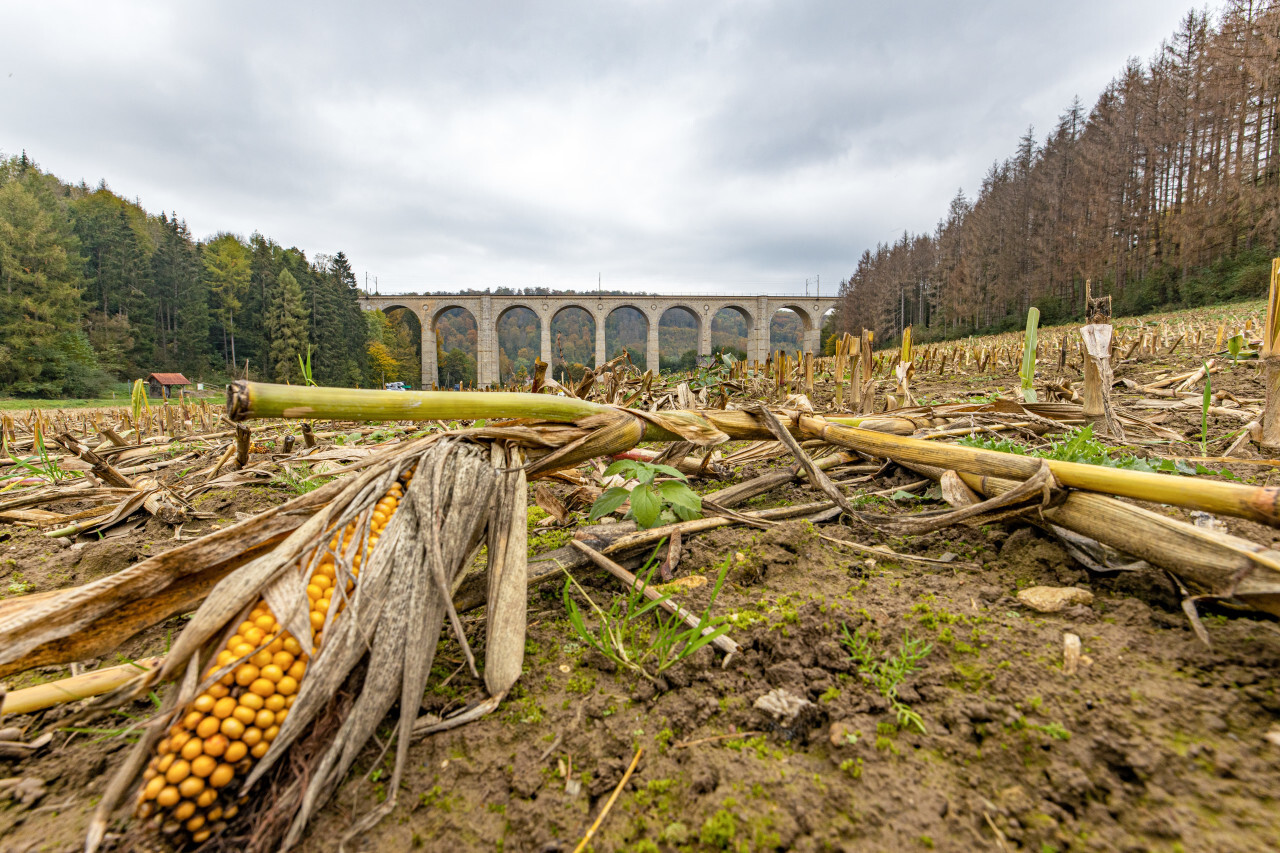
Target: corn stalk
(1270,356)
(712,426)
(1028,372)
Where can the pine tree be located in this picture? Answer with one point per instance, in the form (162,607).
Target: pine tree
(338,330)
(182,299)
(118,272)
(42,349)
(286,326)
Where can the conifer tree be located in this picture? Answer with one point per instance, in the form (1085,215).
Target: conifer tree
(182,300)
(286,327)
(42,348)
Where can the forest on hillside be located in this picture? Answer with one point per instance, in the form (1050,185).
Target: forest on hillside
(95,290)
(1166,194)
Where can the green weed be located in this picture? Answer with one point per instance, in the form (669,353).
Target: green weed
(626,636)
(1079,445)
(651,503)
(886,673)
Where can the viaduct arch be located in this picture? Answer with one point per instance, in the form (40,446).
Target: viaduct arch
(488,308)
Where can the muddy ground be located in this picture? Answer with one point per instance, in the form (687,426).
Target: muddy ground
(1156,743)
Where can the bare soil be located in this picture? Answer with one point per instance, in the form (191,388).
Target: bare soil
(1157,743)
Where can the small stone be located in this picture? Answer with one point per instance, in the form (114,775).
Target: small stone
(680,585)
(1070,654)
(1051,599)
(1207,522)
(27,790)
(1273,736)
(1214,723)
(782,704)
(842,734)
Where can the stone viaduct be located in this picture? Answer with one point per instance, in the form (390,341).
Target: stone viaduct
(487,309)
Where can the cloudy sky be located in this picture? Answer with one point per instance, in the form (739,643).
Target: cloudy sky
(666,146)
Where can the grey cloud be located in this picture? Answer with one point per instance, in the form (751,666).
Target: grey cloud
(538,143)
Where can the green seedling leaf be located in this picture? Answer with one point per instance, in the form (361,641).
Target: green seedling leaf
(645,506)
(680,496)
(609,501)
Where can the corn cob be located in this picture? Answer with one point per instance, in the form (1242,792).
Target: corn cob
(232,723)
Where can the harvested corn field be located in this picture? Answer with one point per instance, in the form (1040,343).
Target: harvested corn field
(961,596)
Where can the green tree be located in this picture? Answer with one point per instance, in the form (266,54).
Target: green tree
(181,299)
(457,366)
(286,328)
(117,248)
(338,330)
(226,267)
(42,349)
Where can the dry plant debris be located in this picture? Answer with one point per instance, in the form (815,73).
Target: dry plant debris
(336,624)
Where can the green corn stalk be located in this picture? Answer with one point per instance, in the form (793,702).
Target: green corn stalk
(1028,372)
(139,404)
(305,366)
(1235,345)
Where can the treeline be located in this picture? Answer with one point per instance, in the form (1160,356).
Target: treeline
(1166,194)
(95,290)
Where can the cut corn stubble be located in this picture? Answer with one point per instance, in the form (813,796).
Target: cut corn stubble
(229,726)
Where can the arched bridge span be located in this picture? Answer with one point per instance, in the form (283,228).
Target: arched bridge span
(487,308)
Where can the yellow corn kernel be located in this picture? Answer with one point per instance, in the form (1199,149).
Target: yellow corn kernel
(214,745)
(191,787)
(203,765)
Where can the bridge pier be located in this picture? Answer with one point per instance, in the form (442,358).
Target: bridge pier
(545,324)
(601,354)
(651,343)
(430,368)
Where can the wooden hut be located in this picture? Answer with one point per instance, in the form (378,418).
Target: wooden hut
(161,384)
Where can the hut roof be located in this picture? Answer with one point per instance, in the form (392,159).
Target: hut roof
(169,378)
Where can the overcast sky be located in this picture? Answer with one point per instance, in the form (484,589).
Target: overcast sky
(666,146)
